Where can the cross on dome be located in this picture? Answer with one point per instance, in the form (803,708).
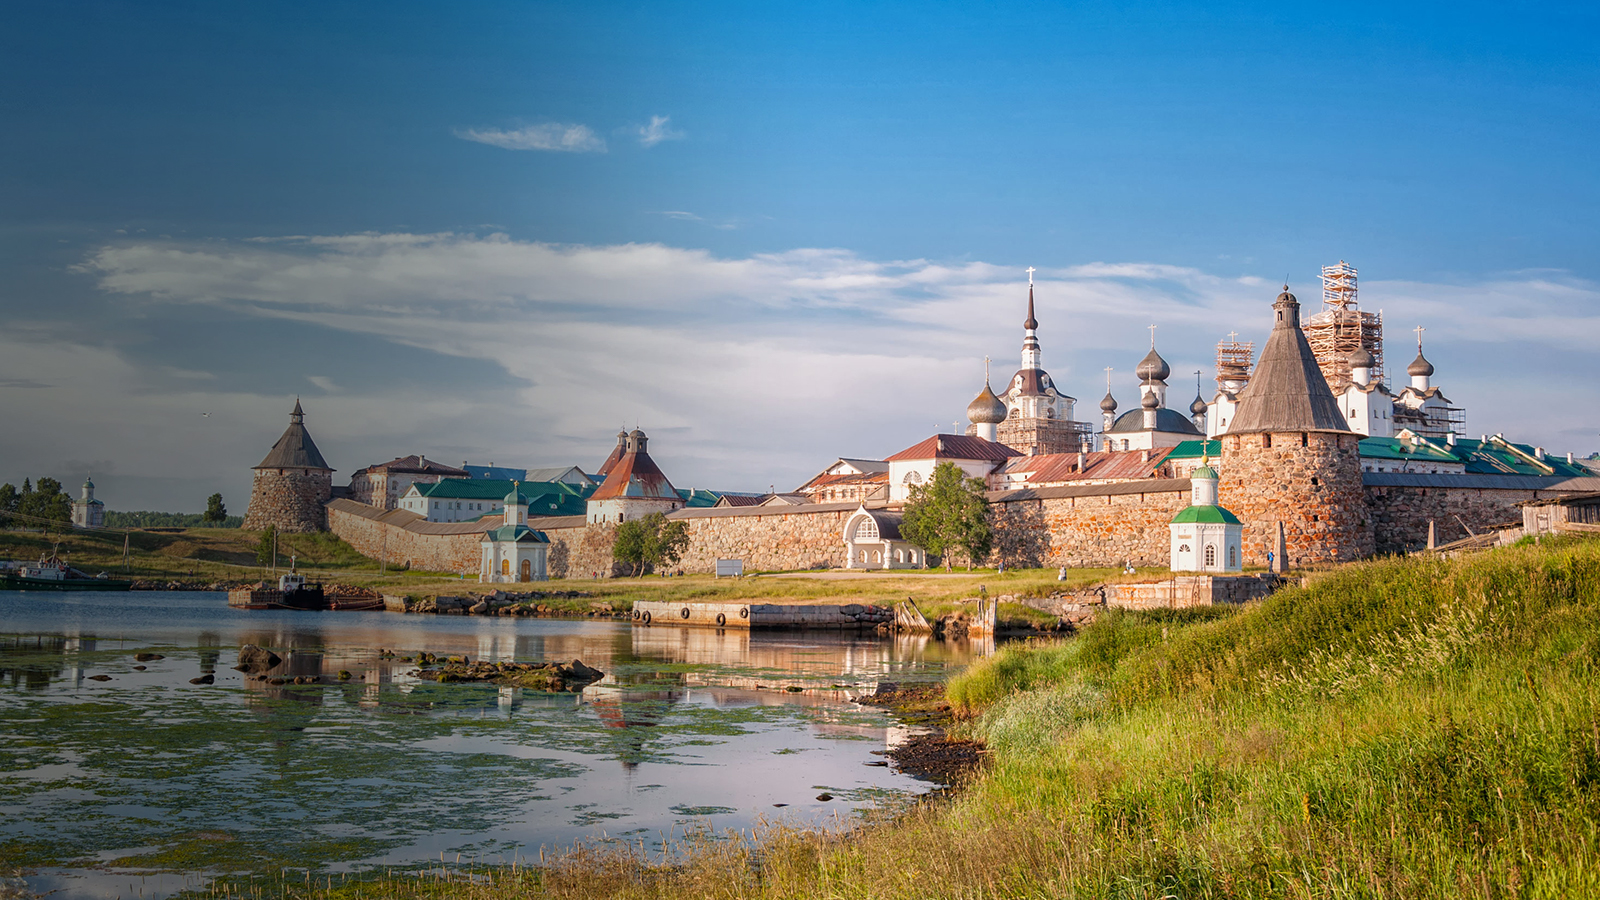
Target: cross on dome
(1419,330)
(1031,270)
(1152,337)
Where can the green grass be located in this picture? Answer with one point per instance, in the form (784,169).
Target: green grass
(1401,728)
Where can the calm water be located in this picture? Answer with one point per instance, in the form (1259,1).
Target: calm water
(131,786)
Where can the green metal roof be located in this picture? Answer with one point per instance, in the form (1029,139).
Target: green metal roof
(1196,450)
(521,534)
(1205,515)
(1205,472)
(544,498)
(1494,458)
(1394,448)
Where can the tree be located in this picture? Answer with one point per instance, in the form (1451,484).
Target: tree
(266,554)
(8,502)
(650,542)
(44,504)
(949,513)
(215,513)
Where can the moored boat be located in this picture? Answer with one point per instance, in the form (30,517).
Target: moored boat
(52,574)
(292,592)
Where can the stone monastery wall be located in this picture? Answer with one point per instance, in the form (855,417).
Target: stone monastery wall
(406,540)
(1400,505)
(1104,525)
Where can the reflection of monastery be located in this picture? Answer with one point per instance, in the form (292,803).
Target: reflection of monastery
(1308,437)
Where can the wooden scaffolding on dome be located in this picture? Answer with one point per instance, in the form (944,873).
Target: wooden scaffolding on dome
(1340,329)
(1234,359)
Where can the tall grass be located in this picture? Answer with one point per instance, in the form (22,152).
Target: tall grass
(1399,729)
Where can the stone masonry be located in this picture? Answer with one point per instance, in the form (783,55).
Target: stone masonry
(406,540)
(1308,480)
(1399,516)
(290,499)
(1089,526)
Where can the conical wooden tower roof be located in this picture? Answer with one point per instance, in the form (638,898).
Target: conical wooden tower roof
(295,450)
(1287,391)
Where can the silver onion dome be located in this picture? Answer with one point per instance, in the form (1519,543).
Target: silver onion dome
(986,408)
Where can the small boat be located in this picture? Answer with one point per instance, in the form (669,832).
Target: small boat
(292,592)
(52,574)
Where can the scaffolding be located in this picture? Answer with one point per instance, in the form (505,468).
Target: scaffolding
(1341,328)
(1234,359)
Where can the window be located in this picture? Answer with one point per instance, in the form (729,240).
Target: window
(866,529)
(1211,554)
(1266,442)
(1233,557)
(913,477)
(505,567)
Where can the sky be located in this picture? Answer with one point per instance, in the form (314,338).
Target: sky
(770,235)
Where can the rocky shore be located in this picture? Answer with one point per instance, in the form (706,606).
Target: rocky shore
(552,677)
(507,603)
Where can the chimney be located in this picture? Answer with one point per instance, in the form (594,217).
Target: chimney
(1538,453)
(1569,457)
(1081,461)
(1144,455)
(1450,438)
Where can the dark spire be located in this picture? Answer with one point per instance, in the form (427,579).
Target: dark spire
(1030,323)
(298,416)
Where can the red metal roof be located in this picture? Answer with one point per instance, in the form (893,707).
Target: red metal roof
(416,465)
(956,446)
(635,476)
(1104,465)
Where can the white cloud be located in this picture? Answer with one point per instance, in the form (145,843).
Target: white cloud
(549,136)
(680,214)
(659,130)
(749,370)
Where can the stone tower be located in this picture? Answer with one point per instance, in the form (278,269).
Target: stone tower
(1287,456)
(292,485)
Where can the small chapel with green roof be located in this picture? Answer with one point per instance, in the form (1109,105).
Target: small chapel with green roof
(1205,537)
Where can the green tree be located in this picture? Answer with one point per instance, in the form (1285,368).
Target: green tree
(8,502)
(45,504)
(265,551)
(649,542)
(949,513)
(215,513)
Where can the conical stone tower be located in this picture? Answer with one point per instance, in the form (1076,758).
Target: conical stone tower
(1288,457)
(292,485)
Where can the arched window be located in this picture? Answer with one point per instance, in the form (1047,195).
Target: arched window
(1211,555)
(913,477)
(1233,557)
(505,567)
(899,556)
(866,529)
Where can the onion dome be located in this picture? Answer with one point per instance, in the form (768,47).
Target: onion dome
(1198,407)
(1150,401)
(1153,367)
(986,408)
(1362,359)
(1109,404)
(515,498)
(1420,365)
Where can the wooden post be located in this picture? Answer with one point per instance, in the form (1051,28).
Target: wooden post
(1431,542)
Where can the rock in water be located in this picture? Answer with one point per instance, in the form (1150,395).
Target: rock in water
(577,673)
(146,657)
(99,677)
(204,679)
(256,659)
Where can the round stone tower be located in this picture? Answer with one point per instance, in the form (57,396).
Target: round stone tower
(292,485)
(1289,459)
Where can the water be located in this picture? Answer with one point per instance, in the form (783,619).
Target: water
(140,785)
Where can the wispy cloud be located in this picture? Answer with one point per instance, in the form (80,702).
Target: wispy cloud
(555,136)
(323,382)
(680,214)
(659,130)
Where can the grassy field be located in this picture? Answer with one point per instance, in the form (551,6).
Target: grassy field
(228,554)
(1401,728)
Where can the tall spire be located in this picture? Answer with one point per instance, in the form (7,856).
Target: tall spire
(1030,322)
(298,416)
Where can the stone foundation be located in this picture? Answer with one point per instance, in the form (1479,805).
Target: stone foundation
(1185,591)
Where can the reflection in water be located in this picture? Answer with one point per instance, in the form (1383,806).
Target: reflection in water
(689,728)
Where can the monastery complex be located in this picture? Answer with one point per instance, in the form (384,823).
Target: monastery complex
(1304,452)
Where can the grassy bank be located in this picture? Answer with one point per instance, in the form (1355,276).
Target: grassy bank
(1401,728)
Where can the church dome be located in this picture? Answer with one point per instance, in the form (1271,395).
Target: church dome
(1362,359)
(515,498)
(1198,407)
(1109,404)
(986,408)
(1420,366)
(1153,367)
(1150,401)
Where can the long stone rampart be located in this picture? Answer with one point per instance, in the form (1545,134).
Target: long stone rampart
(1400,505)
(404,539)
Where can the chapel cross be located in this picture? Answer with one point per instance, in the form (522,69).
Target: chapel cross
(1233,337)
(986,370)
(1419,330)
(1152,337)
(1031,270)
(1108,379)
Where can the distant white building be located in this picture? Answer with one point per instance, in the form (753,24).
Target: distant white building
(87,512)
(975,456)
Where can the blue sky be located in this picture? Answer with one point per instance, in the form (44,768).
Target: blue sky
(770,234)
